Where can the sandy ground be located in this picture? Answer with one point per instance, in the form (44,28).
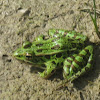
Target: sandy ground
(22,20)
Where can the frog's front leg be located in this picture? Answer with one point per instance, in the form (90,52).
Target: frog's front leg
(77,65)
(50,69)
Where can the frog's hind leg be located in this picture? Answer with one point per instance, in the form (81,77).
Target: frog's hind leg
(80,64)
(67,63)
(84,69)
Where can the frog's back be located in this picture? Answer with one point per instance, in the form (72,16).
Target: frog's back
(57,41)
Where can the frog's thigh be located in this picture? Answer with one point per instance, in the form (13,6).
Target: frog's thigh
(86,67)
(84,70)
(67,65)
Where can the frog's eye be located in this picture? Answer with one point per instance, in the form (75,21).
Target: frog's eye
(27,44)
(28,57)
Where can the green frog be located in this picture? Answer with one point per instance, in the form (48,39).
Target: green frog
(58,49)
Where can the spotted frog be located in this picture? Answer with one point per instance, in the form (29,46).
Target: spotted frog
(59,49)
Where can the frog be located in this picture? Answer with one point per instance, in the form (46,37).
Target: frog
(59,49)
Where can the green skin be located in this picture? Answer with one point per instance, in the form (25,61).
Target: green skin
(59,49)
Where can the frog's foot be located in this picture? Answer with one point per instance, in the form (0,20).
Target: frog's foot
(50,69)
(78,64)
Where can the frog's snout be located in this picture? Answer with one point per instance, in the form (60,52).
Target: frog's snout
(15,54)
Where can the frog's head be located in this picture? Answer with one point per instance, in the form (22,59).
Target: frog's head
(24,53)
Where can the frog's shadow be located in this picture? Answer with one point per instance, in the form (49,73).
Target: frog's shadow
(35,69)
(83,80)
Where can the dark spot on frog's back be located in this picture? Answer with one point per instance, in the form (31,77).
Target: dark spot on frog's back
(59,55)
(53,62)
(40,50)
(64,57)
(47,56)
(39,44)
(56,47)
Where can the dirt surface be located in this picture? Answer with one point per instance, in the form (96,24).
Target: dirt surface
(22,20)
